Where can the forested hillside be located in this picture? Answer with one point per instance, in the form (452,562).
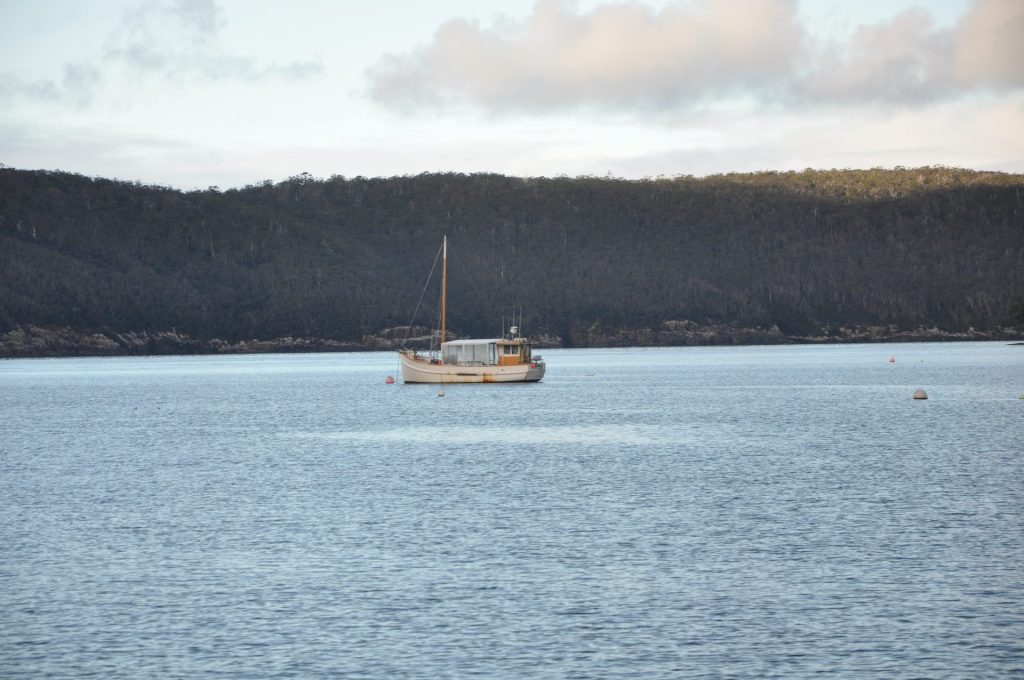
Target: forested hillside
(342,258)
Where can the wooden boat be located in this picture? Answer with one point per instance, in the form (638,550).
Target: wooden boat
(493,360)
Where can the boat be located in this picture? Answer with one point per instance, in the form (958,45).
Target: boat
(506,359)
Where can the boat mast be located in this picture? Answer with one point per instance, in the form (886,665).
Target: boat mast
(444,289)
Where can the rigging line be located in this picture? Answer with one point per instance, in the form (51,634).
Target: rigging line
(408,329)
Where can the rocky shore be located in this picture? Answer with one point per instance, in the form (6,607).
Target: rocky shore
(61,341)
(685,333)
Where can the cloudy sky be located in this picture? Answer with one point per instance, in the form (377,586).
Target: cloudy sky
(192,93)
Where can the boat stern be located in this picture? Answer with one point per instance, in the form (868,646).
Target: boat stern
(535,371)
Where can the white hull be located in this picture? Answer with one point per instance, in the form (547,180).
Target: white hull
(420,370)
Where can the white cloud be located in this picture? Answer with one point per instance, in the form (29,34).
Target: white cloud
(180,40)
(907,60)
(900,60)
(989,45)
(75,87)
(621,55)
(626,56)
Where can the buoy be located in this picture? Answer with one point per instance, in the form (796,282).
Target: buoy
(920,394)
(892,360)
(390,380)
(440,391)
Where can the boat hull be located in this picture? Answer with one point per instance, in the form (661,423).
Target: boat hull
(420,370)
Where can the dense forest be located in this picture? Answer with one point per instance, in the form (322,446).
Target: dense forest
(808,252)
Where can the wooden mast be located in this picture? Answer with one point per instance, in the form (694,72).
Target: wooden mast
(444,290)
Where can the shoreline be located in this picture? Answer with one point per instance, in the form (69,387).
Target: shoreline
(39,342)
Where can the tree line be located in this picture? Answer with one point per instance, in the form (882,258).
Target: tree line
(344,257)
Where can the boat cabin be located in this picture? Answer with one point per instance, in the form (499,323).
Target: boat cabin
(492,352)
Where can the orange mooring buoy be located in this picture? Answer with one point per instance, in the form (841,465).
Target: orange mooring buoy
(390,380)
(920,394)
(892,360)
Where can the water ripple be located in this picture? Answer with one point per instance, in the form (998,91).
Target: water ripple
(711,512)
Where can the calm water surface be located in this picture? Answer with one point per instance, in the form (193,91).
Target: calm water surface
(763,512)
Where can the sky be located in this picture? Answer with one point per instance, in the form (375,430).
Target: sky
(198,93)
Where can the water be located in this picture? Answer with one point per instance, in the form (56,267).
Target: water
(649,513)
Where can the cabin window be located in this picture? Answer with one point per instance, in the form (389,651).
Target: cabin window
(511,349)
(470,354)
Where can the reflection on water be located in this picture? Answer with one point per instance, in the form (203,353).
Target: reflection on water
(523,434)
(755,511)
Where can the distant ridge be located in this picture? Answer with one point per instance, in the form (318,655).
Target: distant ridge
(843,254)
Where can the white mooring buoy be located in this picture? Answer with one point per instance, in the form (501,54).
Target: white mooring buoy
(440,391)
(920,394)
